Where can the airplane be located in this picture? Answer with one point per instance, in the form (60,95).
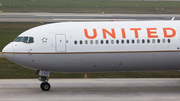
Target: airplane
(72,47)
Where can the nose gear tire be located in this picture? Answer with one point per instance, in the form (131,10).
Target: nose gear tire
(45,86)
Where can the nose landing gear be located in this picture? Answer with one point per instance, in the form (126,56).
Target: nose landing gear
(45,86)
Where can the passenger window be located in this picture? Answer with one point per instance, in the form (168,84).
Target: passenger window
(169,40)
(153,40)
(127,41)
(158,40)
(138,41)
(107,41)
(31,40)
(18,39)
(25,40)
(91,42)
(148,41)
(122,41)
(75,42)
(117,41)
(112,41)
(164,40)
(143,41)
(81,42)
(96,41)
(86,42)
(102,41)
(133,41)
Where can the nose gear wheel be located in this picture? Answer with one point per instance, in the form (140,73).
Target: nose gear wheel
(45,86)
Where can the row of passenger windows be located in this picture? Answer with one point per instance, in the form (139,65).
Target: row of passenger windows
(124,41)
(24,39)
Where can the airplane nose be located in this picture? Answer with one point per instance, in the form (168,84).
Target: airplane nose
(8,52)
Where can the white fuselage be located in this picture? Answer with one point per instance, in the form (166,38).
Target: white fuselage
(99,46)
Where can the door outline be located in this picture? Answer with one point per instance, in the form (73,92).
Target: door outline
(57,51)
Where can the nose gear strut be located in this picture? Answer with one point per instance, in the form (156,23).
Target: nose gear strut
(45,86)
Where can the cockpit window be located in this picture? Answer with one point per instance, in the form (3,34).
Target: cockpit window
(31,40)
(18,39)
(25,40)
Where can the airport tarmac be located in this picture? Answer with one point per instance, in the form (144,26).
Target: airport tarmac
(61,17)
(161,89)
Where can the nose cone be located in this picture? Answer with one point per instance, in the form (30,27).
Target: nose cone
(8,52)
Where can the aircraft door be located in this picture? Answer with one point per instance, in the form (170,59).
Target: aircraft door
(60,43)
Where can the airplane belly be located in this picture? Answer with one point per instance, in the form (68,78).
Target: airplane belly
(106,62)
(32,61)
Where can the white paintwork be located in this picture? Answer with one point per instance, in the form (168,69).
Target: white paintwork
(65,56)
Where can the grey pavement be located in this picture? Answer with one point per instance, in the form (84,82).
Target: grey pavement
(159,89)
(61,17)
